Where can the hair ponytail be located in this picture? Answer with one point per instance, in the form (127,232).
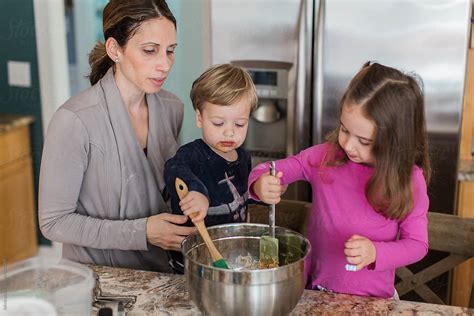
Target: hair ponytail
(99,62)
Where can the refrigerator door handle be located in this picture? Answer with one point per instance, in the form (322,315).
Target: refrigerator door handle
(299,125)
(317,88)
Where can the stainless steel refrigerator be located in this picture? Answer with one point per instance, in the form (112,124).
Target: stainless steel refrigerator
(303,53)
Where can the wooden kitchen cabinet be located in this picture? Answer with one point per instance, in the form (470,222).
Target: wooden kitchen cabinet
(463,275)
(17,203)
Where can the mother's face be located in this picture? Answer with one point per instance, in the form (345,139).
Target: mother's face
(145,61)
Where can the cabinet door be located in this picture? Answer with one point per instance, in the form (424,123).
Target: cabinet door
(14,144)
(17,211)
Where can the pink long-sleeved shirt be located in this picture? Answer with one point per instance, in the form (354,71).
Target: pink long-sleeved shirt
(340,210)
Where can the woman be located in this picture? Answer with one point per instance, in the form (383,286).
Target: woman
(101,182)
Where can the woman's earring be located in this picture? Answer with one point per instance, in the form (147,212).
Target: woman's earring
(116,60)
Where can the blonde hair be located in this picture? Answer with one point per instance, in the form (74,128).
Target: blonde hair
(223,84)
(121,19)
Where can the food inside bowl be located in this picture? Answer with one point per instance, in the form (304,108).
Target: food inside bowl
(290,252)
(267,264)
(246,262)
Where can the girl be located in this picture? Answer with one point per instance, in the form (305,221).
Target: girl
(369,185)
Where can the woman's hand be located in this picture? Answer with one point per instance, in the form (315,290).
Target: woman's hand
(195,203)
(360,251)
(268,188)
(162,231)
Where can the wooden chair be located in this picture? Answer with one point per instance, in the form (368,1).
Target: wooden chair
(448,233)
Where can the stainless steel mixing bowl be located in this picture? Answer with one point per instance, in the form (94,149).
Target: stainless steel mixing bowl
(240,290)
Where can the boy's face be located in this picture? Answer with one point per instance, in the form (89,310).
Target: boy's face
(224,127)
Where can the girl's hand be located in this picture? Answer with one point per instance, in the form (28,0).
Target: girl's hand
(195,206)
(268,188)
(360,251)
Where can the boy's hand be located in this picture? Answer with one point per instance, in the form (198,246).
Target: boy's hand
(360,251)
(268,188)
(195,206)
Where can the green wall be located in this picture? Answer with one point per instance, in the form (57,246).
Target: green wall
(18,43)
(188,63)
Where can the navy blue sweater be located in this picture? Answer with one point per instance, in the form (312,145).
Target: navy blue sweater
(223,182)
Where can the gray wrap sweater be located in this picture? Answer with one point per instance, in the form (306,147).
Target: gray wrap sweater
(97,187)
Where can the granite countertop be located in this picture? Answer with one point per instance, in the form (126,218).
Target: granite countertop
(166,294)
(9,121)
(466,170)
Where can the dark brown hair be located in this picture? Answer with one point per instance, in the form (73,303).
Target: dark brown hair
(394,101)
(223,84)
(121,19)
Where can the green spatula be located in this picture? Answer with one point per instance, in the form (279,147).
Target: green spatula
(269,244)
(217,259)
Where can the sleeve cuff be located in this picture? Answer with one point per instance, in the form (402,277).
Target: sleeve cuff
(253,177)
(380,263)
(139,234)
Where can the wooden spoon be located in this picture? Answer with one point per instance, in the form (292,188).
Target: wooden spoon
(218,260)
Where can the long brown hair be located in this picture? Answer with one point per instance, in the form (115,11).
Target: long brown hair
(121,19)
(394,101)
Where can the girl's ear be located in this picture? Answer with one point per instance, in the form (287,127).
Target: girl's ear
(198,118)
(113,49)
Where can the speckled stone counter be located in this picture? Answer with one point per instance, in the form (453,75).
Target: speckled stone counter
(466,170)
(166,294)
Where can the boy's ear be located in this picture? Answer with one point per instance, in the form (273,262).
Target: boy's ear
(198,119)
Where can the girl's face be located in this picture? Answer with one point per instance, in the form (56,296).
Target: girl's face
(357,135)
(147,58)
(224,127)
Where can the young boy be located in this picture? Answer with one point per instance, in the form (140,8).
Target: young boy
(215,168)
